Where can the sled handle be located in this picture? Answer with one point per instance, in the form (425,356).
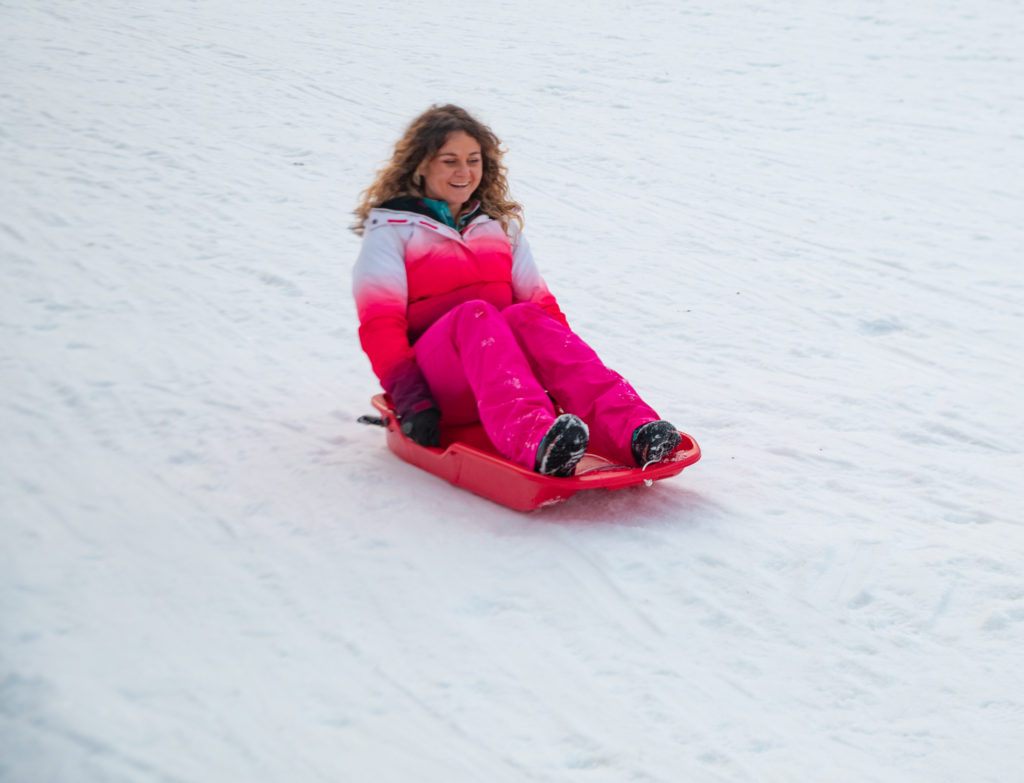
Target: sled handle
(377,421)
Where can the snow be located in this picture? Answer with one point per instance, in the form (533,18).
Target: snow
(796,228)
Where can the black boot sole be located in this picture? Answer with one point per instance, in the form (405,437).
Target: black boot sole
(562,447)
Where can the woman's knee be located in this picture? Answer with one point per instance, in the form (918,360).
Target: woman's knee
(476,308)
(524,308)
(529,317)
(478,318)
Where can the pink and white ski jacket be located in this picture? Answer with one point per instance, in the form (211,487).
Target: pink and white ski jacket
(412,269)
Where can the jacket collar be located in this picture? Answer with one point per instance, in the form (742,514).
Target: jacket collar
(423,206)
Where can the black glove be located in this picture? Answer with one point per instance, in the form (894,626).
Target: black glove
(423,427)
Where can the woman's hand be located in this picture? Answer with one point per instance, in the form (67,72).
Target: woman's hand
(423,427)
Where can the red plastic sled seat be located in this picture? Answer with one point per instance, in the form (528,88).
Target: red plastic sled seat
(469,460)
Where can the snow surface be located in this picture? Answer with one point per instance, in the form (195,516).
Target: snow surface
(796,227)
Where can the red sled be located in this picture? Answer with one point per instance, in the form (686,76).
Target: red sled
(467,459)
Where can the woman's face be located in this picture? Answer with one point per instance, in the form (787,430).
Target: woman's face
(454,172)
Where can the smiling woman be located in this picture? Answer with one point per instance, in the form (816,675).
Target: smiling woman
(433,140)
(454,172)
(460,326)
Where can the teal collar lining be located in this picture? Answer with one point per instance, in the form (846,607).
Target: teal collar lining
(444,214)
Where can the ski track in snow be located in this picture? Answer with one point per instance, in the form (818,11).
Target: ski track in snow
(796,229)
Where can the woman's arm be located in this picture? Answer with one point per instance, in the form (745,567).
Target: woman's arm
(381,293)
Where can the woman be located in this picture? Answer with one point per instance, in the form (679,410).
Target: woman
(458,324)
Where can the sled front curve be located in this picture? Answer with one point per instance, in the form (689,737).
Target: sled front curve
(468,460)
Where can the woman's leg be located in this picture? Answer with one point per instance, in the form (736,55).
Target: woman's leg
(476,369)
(579,381)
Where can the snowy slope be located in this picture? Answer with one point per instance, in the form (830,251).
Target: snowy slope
(796,229)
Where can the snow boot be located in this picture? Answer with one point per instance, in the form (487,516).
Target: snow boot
(563,446)
(654,441)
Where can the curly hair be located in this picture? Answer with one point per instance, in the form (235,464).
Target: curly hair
(425,136)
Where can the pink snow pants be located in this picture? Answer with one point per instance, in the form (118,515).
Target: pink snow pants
(498,366)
